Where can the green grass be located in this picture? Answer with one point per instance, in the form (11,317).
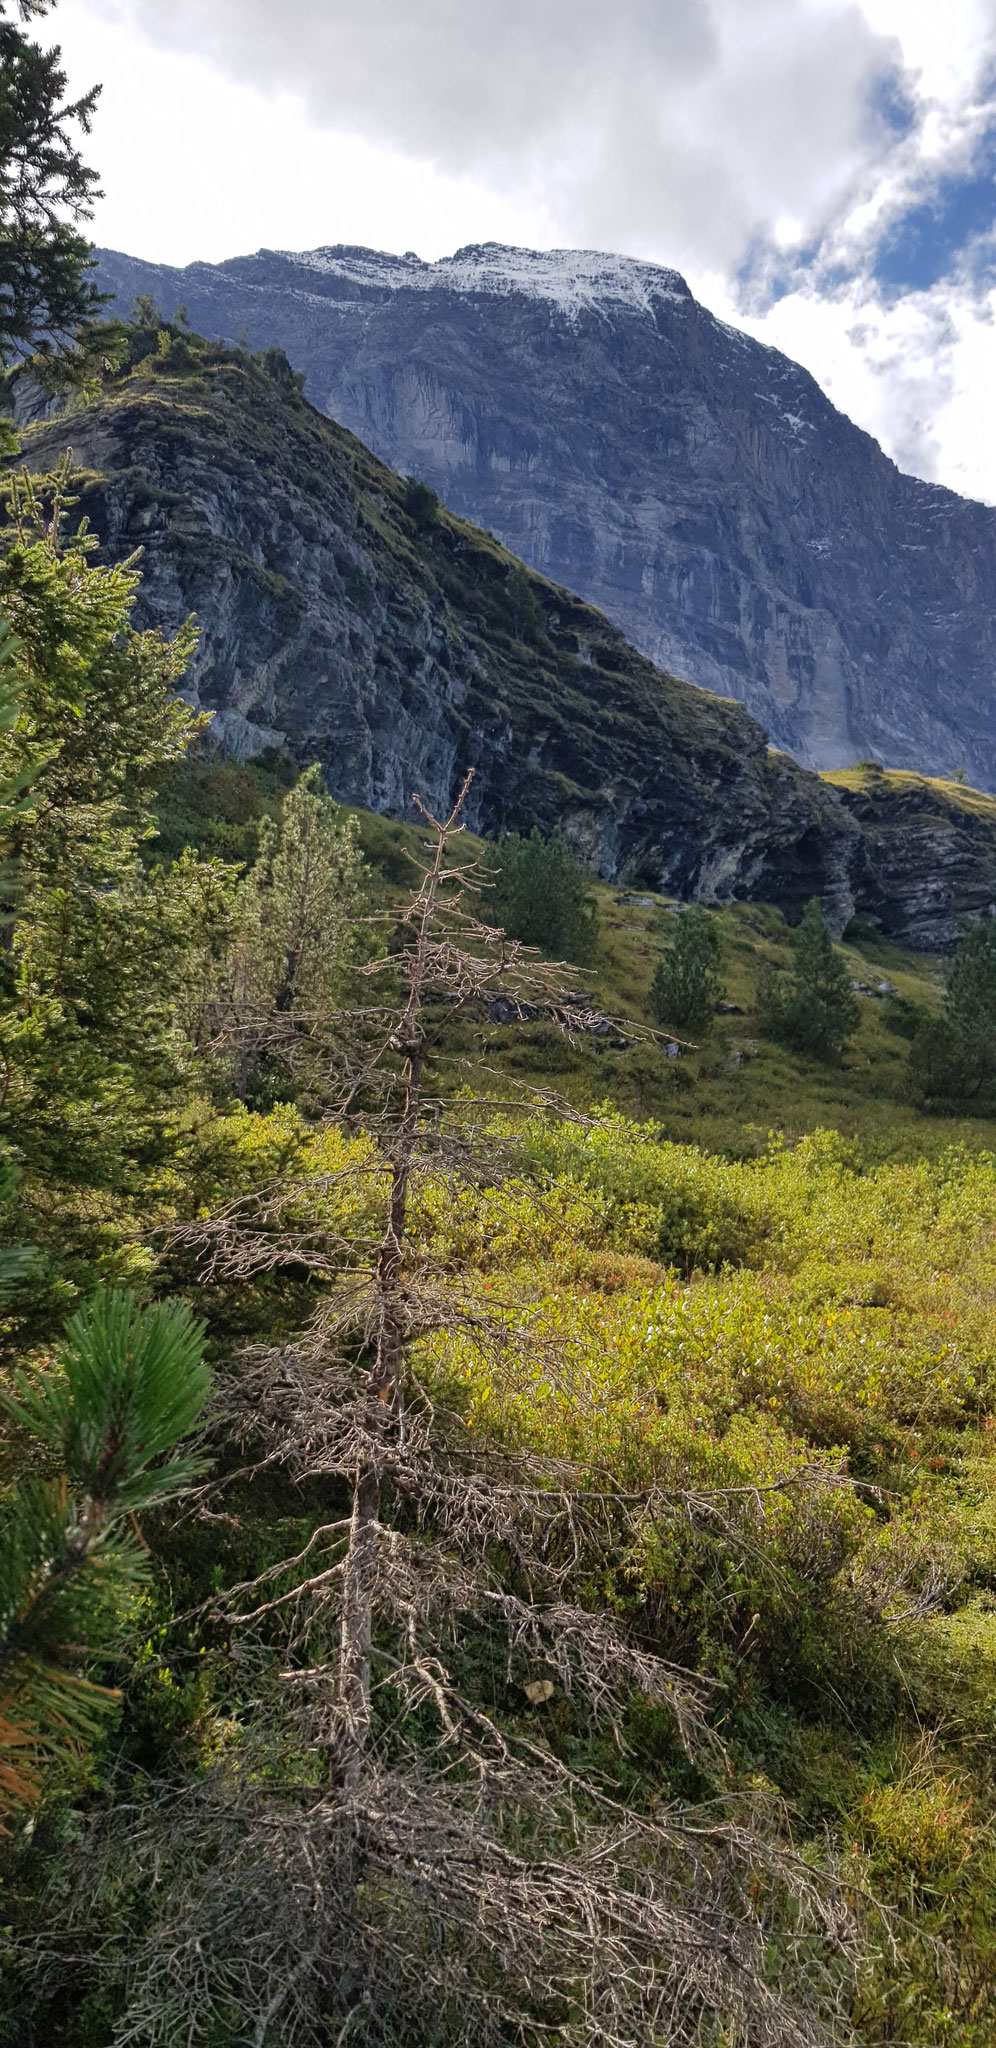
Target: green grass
(730,1091)
(725,1094)
(737,1085)
(748,1279)
(939,789)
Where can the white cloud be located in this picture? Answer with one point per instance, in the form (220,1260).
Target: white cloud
(914,367)
(693,132)
(196,165)
(692,122)
(916,373)
(944,45)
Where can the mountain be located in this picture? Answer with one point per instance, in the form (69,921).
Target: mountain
(348,617)
(694,484)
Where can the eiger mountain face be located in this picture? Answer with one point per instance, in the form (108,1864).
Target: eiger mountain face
(694,484)
(348,619)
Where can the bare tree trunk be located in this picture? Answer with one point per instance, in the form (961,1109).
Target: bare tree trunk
(383,1389)
(356,1627)
(495,1883)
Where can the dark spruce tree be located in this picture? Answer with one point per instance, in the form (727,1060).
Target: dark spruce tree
(953,1056)
(814,1009)
(543,896)
(686,985)
(46,193)
(970,995)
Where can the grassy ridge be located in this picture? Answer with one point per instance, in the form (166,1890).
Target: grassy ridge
(944,790)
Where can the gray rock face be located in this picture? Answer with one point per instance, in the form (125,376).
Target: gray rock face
(697,486)
(926,858)
(398,646)
(399,653)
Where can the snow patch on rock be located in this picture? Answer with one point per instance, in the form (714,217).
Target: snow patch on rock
(573,280)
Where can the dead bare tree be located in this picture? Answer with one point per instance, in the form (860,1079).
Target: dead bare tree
(441,1872)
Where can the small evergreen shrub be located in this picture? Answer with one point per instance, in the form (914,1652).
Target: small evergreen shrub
(103,1426)
(953,1056)
(903,1017)
(420,503)
(686,986)
(273,362)
(524,606)
(542,896)
(814,1010)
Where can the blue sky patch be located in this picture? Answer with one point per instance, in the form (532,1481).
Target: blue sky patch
(953,228)
(891,103)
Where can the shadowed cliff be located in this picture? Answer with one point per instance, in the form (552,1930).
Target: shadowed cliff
(696,485)
(347,617)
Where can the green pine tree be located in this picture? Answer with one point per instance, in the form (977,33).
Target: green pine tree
(16,781)
(543,896)
(126,1386)
(302,899)
(970,996)
(953,1056)
(267,983)
(89,1042)
(686,985)
(46,193)
(815,1010)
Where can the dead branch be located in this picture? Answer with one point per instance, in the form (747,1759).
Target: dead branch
(440,1872)
(505,1907)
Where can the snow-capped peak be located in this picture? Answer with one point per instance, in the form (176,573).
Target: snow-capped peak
(574,280)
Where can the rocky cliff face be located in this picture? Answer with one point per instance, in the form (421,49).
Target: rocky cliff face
(694,484)
(348,619)
(926,858)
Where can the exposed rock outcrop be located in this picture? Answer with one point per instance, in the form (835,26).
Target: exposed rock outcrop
(926,858)
(349,620)
(697,486)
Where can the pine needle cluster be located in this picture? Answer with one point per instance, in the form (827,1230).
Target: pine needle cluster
(102,1424)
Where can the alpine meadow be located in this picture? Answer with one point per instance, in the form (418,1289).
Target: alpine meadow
(498,1265)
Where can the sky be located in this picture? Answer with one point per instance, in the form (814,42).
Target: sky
(823,172)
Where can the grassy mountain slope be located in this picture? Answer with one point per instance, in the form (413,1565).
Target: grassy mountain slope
(726,1094)
(793,1340)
